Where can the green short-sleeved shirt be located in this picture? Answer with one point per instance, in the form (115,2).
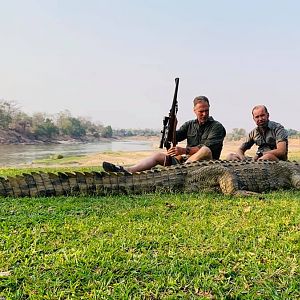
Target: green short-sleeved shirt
(211,134)
(267,141)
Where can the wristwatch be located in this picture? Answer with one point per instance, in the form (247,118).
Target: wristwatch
(259,153)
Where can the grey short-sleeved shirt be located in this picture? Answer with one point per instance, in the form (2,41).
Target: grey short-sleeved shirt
(211,134)
(267,141)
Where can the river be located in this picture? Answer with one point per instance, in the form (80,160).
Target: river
(11,155)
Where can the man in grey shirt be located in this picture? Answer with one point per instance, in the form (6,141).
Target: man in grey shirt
(204,138)
(270,137)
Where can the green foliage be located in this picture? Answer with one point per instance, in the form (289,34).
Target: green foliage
(22,123)
(42,125)
(172,246)
(293,133)
(107,132)
(239,133)
(56,156)
(76,129)
(70,126)
(236,134)
(135,132)
(6,114)
(63,121)
(47,129)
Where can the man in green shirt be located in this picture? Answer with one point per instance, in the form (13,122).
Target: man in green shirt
(270,137)
(204,141)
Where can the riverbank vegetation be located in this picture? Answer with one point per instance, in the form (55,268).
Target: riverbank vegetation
(171,246)
(19,127)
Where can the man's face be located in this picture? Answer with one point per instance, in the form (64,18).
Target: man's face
(260,116)
(201,109)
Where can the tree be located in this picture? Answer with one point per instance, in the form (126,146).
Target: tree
(293,132)
(22,123)
(71,126)
(89,126)
(63,122)
(236,134)
(47,129)
(8,109)
(107,132)
(76,129)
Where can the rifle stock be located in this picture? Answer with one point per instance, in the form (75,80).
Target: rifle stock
(169,123)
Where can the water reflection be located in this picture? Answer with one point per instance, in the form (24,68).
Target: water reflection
(22,154)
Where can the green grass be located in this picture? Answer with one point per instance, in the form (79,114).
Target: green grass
(17,171)
(58,161)
(172,246)
(71,160)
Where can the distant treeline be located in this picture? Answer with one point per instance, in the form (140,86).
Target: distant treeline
(240,133)
(44,126)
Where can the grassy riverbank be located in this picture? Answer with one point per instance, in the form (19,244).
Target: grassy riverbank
(156,246)
(151,247)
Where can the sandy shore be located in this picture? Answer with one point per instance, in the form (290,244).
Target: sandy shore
(129,158)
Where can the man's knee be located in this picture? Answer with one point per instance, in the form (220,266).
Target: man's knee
(204,153)
(159,157)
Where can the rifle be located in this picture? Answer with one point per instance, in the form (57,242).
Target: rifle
(169,123)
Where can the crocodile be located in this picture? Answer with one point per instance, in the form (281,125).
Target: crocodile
(227,177)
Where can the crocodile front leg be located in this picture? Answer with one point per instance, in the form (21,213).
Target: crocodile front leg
(295,180)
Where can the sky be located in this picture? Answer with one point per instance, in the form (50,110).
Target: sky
(115,62)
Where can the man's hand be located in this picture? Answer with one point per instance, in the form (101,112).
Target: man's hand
(240,154)
(256,157)
(173,151)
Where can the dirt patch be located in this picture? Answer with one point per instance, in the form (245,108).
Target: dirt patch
(120,158)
